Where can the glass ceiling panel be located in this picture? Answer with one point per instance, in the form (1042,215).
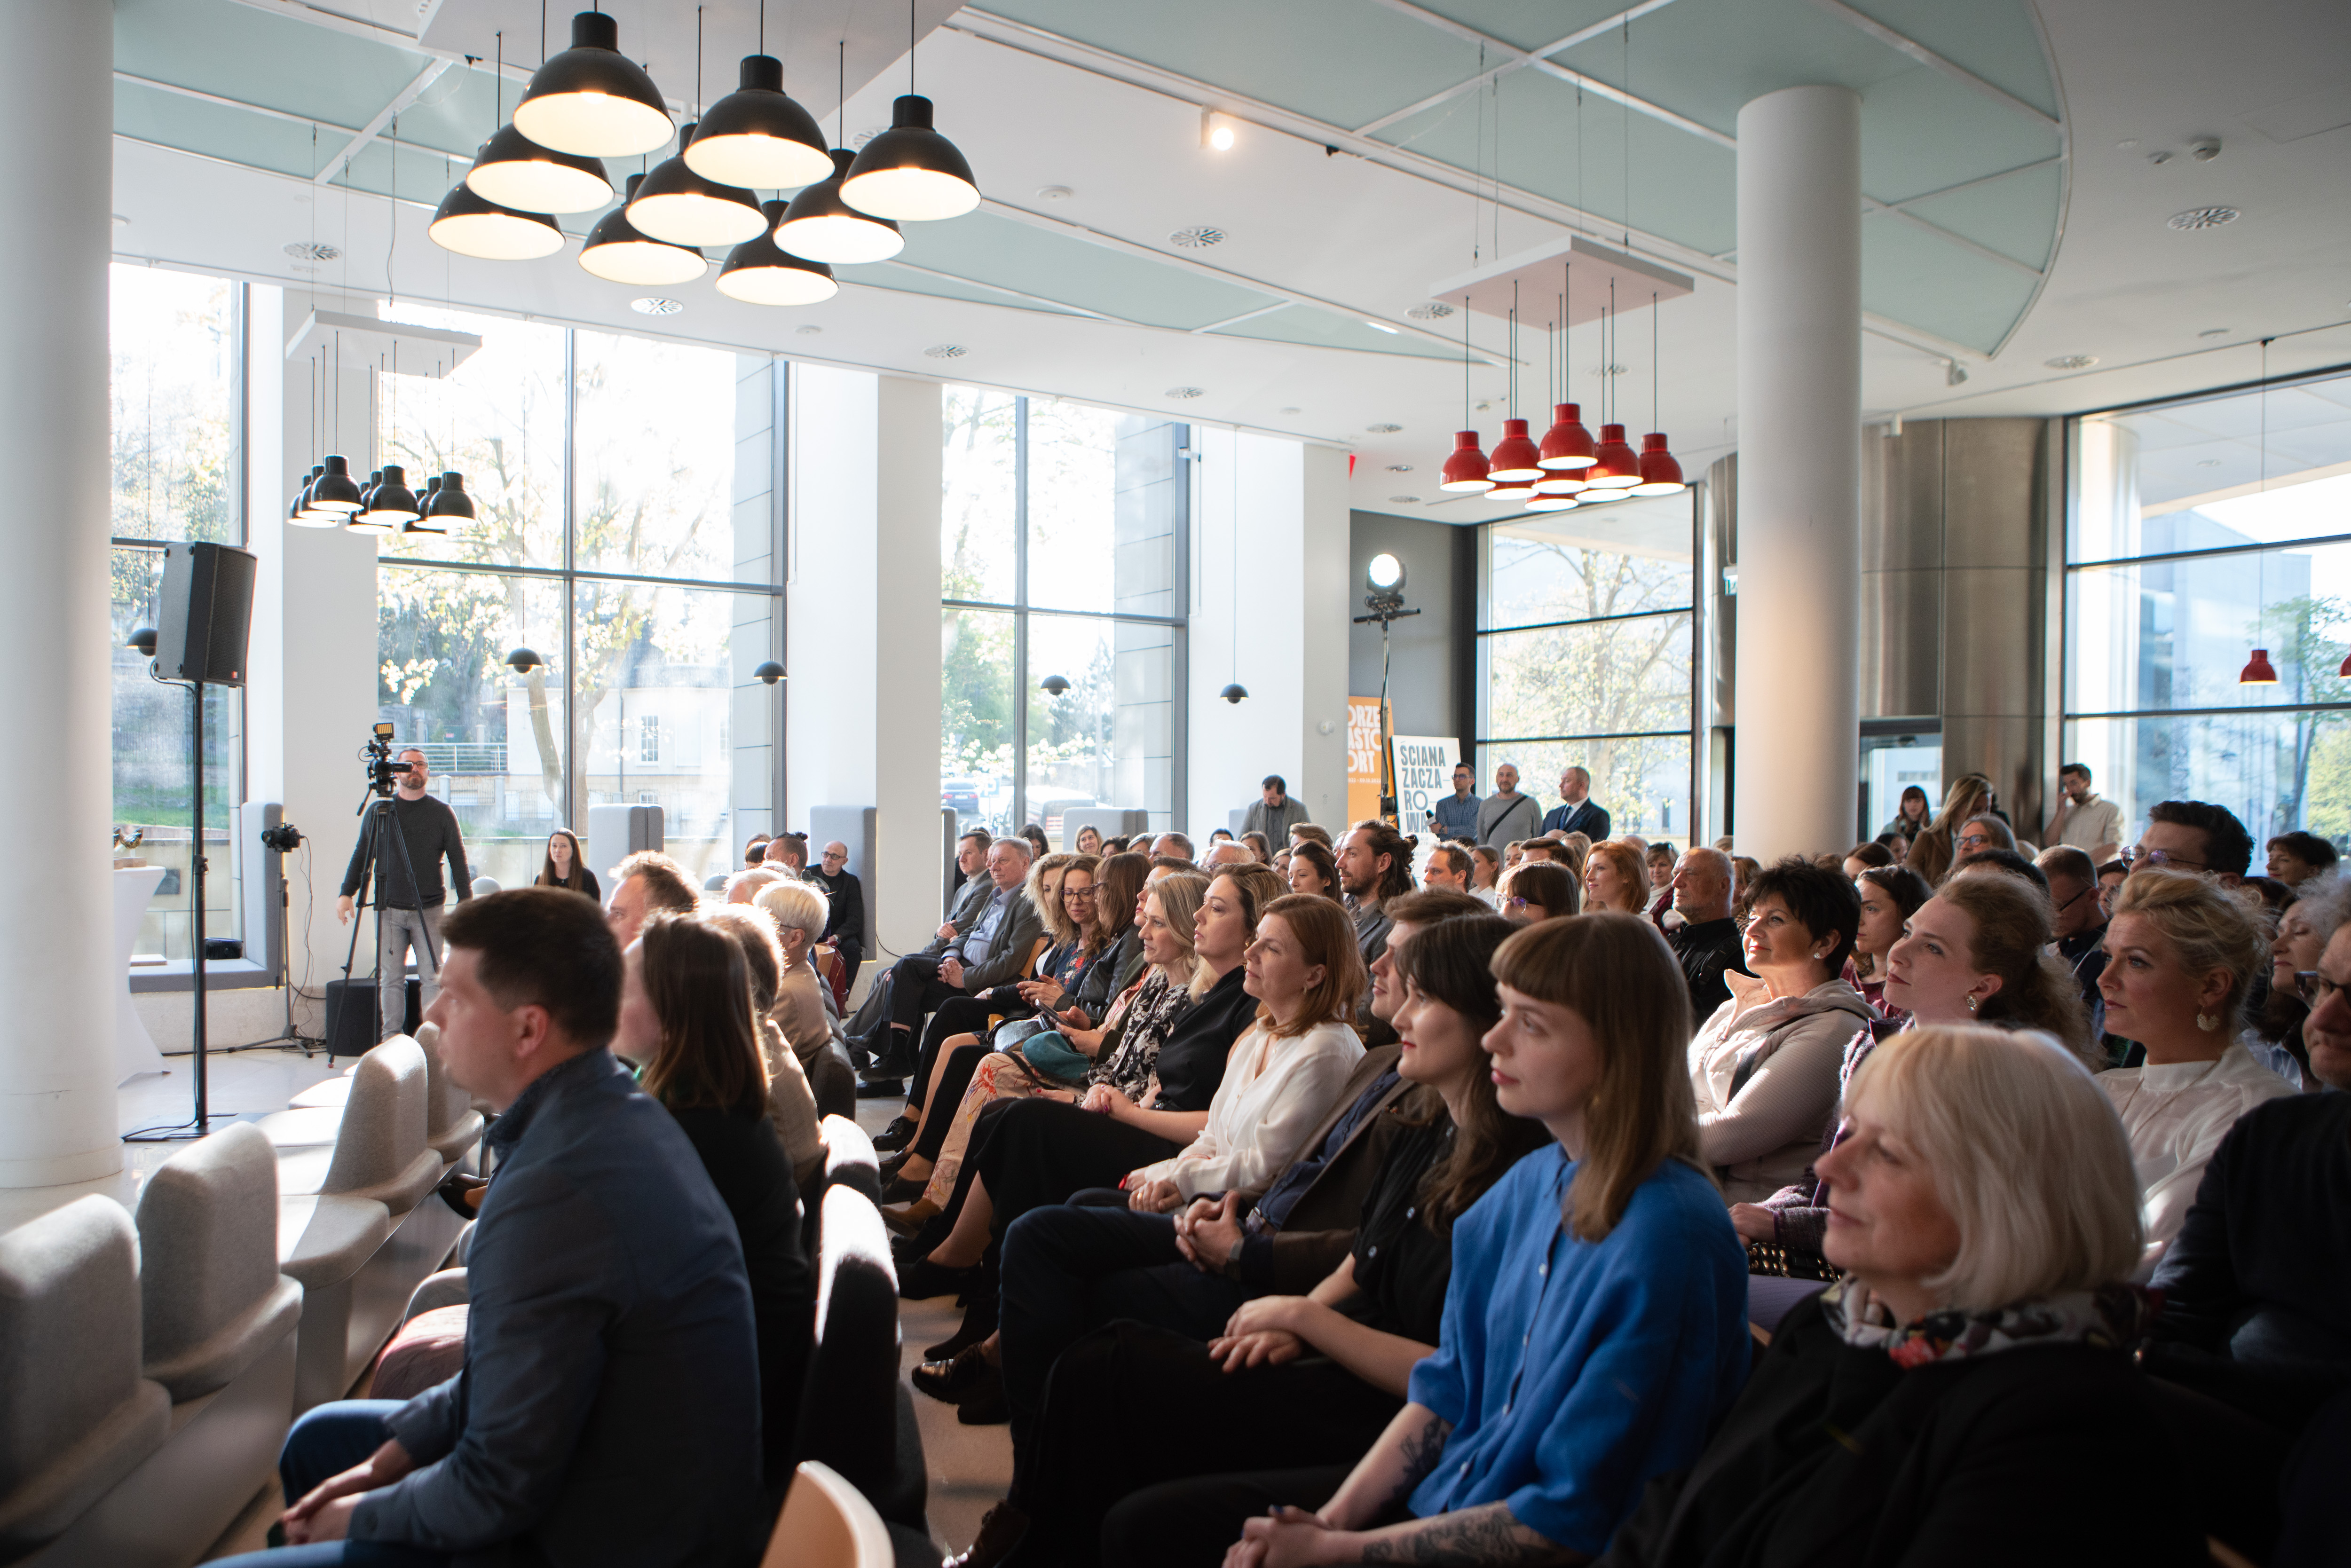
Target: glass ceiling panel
(218,130)
(1921,132)
(984,248)
(2016,216)
(251,56)
(1706,58)
(1338,61)
(887,275)
(1910,275)
(1527,27)
(1994,39)
(454,113)
(1325,328)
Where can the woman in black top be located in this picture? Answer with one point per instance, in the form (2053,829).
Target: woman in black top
(686,1019)
(1940,1405)
(1294,1380)
(565,867)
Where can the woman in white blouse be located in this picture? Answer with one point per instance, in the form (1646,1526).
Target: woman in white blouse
(2180,956)
(1287,1069)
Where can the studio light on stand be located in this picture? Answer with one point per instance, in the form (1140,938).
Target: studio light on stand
(1385,577)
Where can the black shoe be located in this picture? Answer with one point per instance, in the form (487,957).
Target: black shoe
(881,1088)
(950,1381)
(986,1405)
(925,1278)
(903,1191)
(895,1136)
(955,1344)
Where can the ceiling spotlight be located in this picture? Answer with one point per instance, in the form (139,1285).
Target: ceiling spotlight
(1217,132)
(472,225)
(617,253)
(758,273)
(1399,467)
(1385,574)
(821,226)
(1382,429)
(1430,312)
(513,171)
(756,136)
(1054,193)
(910,173)
(591,99)
(2202,219)
(655,305)
(685,207)
(808,329)
(1954,374)
(945,352)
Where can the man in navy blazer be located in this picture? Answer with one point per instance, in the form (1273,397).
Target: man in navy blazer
(1580,814)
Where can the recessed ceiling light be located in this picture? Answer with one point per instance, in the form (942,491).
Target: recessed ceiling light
(1380,326)
(1384,429)
(1430,312)
(945,352)
(2208,462)
(1399,467)
(307,249)
(1199,236)
(807,329)
(1403,498)
(1187,391)
(2213,332)
(1607,371)
(2202,219)
(2071,361)
(1054,193)
(654,305)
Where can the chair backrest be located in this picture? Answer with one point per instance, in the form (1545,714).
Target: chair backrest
(68,1333)
(848,1403)
(849,1160)
(827,1523)
(384,1120)
(445,1102)
(208,1255)
(485,885)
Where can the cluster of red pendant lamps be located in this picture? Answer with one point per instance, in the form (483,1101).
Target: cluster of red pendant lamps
(1569,468)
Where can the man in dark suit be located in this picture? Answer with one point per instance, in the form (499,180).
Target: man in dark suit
(1577,812)
(844,921)
(990,951)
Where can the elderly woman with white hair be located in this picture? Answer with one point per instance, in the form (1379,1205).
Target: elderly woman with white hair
(1940,1405)
(800,910)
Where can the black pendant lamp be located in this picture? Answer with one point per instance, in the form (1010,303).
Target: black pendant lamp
(336,493)
(306,511)
(759,272)
(756,136)
(472,225)
(391,504)
(591,99)
(423,523)
(515,171)
(677,204)
(821,226)
(617,253)
(450,502)
(910,173)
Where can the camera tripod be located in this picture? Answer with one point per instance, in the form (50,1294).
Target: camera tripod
(379,826)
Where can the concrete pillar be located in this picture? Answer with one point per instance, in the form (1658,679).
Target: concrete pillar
(56,1071)
(1799,470)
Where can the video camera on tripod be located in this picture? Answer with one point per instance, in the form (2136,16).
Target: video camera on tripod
(384,773)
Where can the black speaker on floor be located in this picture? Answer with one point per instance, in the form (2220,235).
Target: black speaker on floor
(351,1016)
(205,614)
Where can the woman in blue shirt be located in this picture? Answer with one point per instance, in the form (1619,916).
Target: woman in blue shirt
(1595,1326)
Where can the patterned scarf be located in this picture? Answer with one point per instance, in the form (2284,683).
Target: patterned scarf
(2109,1318)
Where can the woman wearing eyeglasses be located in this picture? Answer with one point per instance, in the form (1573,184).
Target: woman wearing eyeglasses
(2276,1038)
(1538,890)
(2181,956)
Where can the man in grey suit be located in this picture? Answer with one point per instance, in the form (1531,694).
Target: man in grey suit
(964,961)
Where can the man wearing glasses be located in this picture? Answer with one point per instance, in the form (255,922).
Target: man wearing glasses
(2197,836)
(1979,835)
(845,926)
(2081,924)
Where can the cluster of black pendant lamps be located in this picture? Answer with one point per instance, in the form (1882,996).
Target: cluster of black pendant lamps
(591,102)
(332,498)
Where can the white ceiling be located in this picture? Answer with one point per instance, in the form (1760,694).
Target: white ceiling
(1346,238)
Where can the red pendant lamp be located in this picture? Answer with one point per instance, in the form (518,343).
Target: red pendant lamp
(1567,445)
(1467,471)
(1617,468)
(1514,458)
(1661,474)
(2258,670)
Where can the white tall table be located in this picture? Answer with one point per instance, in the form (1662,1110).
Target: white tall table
(134,1048)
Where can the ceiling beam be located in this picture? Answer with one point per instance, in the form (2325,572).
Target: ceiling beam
(1060,306)
(1244,316)
(1592,85)
(1925,56)
(1582,35)
(384,117)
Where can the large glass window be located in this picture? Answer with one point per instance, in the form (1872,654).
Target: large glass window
(1057,506)
(176,473)
(2200,531)
(618,573)
(1585,650)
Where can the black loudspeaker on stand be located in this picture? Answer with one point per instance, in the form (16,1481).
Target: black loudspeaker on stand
(204,620)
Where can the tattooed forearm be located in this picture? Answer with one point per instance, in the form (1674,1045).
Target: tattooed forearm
(1421,1448)
(1484,1536)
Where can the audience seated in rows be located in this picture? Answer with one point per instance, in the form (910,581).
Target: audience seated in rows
(798,914)
(1314,869)
(1614,878)
(986,942)
(2323,904)
(645,883)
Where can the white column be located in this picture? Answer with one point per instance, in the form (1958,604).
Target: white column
(57,1091)
(1799,471)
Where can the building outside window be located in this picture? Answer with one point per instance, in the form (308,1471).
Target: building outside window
(1061,540)
(2200,530)
(625,529)
(1585,651)
(176,469)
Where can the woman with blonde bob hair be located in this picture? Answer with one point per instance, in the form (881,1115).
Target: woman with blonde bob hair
(1941,1396)
(1595,1325)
